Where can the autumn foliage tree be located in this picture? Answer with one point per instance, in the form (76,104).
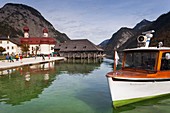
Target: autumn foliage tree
(2,49)
(25,48)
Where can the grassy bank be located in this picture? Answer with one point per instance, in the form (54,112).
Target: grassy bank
(2,57)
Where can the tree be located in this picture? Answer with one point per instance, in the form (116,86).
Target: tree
(25,48)
(36,49)
(2,49)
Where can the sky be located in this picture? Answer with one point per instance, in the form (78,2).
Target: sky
(95,20)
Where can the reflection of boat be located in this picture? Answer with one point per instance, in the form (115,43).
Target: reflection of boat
(145,74)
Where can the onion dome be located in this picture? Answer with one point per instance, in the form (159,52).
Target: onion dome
(26,29)
(45,30)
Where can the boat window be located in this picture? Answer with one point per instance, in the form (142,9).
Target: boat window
(141,60)
(165,62)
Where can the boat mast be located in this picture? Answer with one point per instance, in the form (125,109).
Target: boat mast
(116,58)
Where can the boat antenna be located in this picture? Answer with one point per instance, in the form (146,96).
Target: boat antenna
(144,39)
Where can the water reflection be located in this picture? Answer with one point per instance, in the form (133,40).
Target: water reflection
(80,66)
(27,76)
(25,83)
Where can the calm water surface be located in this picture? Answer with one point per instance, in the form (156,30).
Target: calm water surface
(74,86)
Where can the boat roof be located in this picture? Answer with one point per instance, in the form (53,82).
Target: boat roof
(148,49)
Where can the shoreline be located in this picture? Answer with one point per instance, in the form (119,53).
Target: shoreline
(4,64)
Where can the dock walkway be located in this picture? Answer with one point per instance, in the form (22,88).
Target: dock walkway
(4,64)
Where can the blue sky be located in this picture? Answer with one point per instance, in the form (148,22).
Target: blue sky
(95,20)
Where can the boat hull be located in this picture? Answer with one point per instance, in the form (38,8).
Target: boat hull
(125,92)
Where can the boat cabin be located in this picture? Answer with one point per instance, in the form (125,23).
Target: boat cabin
(151,62)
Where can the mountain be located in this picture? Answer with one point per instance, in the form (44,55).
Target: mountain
(144,23)
(104,43)
(162,30)
(125,37)
(13,17)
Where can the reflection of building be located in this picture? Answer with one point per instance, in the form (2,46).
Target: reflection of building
(80,66)
(82,48)
(22,84)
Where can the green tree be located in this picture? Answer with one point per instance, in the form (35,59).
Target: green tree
(25,48)
(36,49)
(2,49)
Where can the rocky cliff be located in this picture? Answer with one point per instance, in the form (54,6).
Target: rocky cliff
(127,37)
(13,17)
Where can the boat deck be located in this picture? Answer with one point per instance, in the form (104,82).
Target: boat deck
(135,75)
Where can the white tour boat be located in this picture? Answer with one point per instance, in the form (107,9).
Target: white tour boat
(145,74)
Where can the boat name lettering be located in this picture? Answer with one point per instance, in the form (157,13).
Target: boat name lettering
(136,84)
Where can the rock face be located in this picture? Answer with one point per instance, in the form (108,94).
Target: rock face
(13,17)
(127,38)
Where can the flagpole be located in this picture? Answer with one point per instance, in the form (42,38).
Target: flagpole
(114,69)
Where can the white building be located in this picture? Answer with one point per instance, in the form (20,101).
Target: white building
(11,45)
(41,45)
(44,44)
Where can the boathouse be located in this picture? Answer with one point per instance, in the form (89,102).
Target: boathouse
(81,48)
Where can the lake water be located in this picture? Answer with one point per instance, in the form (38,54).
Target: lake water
(74,86)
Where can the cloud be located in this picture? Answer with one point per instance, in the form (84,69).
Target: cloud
(96,20)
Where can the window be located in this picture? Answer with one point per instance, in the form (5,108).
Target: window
(165,62)
(65,47)
(141,60)
(52,48)
(12,47)
(7,47)
(0,41)
(7,42)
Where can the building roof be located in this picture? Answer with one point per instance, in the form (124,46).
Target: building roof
(39,40)
(31,40)
(15,41)
(77,45)
(12,39)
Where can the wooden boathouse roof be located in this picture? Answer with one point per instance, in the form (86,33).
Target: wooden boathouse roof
(77,45)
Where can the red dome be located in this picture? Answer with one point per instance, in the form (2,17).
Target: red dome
(45,30)
(26,29)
